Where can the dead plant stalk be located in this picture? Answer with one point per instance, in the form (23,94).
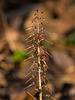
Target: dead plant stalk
(39,66)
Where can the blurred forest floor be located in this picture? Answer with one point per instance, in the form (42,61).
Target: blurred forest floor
(15,17)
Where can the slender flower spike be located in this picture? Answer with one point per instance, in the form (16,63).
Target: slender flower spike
(30,79)
(38,51)
(33,84)
(31,95)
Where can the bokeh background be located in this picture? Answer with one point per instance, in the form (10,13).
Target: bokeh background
(15,17)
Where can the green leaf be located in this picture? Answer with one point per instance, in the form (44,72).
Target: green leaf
(71,40)
(18,56)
